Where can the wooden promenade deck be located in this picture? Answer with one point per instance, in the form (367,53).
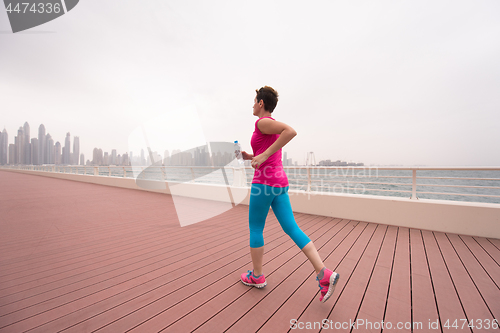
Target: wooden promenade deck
(78,257)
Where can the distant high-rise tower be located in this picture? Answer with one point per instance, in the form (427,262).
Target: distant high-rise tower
(4,147)
(113,157)
(34,151)
(20,146)
(41,144)
(67,149)
(58,153)
(166,157)
(97,158)
(125,159)
(82,159)
(12,153)
(76,149)
(27,144)
(49,149)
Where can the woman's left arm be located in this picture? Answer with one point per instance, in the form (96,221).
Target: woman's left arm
(269,126)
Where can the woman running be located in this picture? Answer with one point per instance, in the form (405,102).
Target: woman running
(270,189)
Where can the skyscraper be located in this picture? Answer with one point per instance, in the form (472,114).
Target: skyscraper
(82,159)
(41,144)
(20,146)
(34,151)
(125,159)
(58,153)
(67,149)
(27,144)
(12,153)
(113,157)
(97,157)
(4,147)
(49,159)
(76,150)
(166,157)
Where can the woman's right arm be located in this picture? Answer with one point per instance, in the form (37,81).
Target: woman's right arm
(246,156)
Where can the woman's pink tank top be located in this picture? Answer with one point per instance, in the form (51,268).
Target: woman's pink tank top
(271,171)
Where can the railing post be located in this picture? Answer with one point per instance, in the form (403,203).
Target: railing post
(193,177)
(308,180)
(414,185)
(163,176)
(124,173)
(96,171)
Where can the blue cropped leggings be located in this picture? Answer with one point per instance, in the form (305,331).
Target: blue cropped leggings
(261,198)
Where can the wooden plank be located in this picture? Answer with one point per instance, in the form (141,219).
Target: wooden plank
(349,301)
(423,298)
(495,242)
(398,308)
(488,247)
(344,260)
(477,263)
(373,305)
(448,303)
(472,301)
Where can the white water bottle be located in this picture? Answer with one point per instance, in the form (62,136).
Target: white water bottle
(237,152)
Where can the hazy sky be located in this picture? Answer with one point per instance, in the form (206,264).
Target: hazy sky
(379,82)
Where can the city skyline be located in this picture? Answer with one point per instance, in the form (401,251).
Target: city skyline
(38,150)
(43,150)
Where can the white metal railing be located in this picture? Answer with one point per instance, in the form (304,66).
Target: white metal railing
(318,179)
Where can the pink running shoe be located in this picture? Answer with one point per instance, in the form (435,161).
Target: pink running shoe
(327,284)
(251,280)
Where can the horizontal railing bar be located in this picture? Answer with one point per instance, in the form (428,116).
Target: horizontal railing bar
(458,178)
(465,195)
(400,168)
(375,183)
(358,176)
(366,189)
(466,186)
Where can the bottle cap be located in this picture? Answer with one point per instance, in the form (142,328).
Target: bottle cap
(236,141)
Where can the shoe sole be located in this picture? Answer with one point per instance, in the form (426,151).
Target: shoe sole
(333,283)
(258,285)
